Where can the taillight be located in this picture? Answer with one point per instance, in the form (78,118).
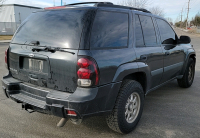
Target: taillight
(88,74)
(6,58)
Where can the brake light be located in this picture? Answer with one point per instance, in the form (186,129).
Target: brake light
(57,7)
(72,113)
(88,73)
(6,53)
(84,73)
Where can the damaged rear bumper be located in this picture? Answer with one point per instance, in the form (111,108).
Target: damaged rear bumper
(84,101)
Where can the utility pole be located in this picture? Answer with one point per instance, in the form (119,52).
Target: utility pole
(181,17)
(61,2)
(187,13)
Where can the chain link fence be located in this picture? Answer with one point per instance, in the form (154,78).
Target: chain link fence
(198,29)
(8,28)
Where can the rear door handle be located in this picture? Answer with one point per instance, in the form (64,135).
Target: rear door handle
(167,53)
(33,77)
(144,58)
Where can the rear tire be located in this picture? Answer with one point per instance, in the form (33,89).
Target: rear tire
(128,107)
(188,76)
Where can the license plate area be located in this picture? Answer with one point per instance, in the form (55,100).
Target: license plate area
(36,65)
(39,66)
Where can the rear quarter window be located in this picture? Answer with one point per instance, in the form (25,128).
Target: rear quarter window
(148,30)
(138,32)
(110,30)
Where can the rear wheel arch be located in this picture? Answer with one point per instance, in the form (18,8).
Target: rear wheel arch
(139,77)
(191,55)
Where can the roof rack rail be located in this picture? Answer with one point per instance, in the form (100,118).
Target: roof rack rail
(123,7)
(109,4)
(96,3)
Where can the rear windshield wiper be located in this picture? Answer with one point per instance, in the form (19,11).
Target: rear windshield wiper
(36,43)
(51,49)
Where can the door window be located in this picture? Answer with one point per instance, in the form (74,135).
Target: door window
(168,36)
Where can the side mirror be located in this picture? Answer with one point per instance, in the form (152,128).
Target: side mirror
(184,40)
(169,41)
(168,47)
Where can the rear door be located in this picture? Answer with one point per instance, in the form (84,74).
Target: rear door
(173,52)
(149,52)
(61,29)
(29,67)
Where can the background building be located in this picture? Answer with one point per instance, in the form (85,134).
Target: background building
(12,15)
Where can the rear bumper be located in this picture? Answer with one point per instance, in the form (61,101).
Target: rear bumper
(84,101)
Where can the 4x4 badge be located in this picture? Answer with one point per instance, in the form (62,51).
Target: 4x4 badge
(31,55)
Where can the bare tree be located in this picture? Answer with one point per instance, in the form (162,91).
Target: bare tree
(1,3)
(157,11)
(134,3)
(170,20)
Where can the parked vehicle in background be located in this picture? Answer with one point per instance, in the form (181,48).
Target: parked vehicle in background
(79,61)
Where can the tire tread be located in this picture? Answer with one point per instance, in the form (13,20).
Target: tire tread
(112,119)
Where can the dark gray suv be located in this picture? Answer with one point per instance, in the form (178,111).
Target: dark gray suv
(78,61)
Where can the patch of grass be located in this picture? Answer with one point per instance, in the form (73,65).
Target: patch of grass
(6,37)
(193,30)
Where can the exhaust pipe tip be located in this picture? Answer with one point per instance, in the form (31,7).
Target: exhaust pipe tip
(62,122)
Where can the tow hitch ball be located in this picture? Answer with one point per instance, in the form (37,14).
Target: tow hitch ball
(27,107)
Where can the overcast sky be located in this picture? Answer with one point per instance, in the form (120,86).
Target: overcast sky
(172,8)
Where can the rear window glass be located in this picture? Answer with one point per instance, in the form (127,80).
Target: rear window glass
(56,28)
(110,29)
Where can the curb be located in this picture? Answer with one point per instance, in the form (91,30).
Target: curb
(5,41)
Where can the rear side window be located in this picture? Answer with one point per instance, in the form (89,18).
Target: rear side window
(138,32)
(148,30)
(56,28)
(110,30)
(166,32)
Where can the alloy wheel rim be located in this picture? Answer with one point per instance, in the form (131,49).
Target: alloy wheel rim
(190,73)
(132,107)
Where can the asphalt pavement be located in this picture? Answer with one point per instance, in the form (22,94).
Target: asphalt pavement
(170,112)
